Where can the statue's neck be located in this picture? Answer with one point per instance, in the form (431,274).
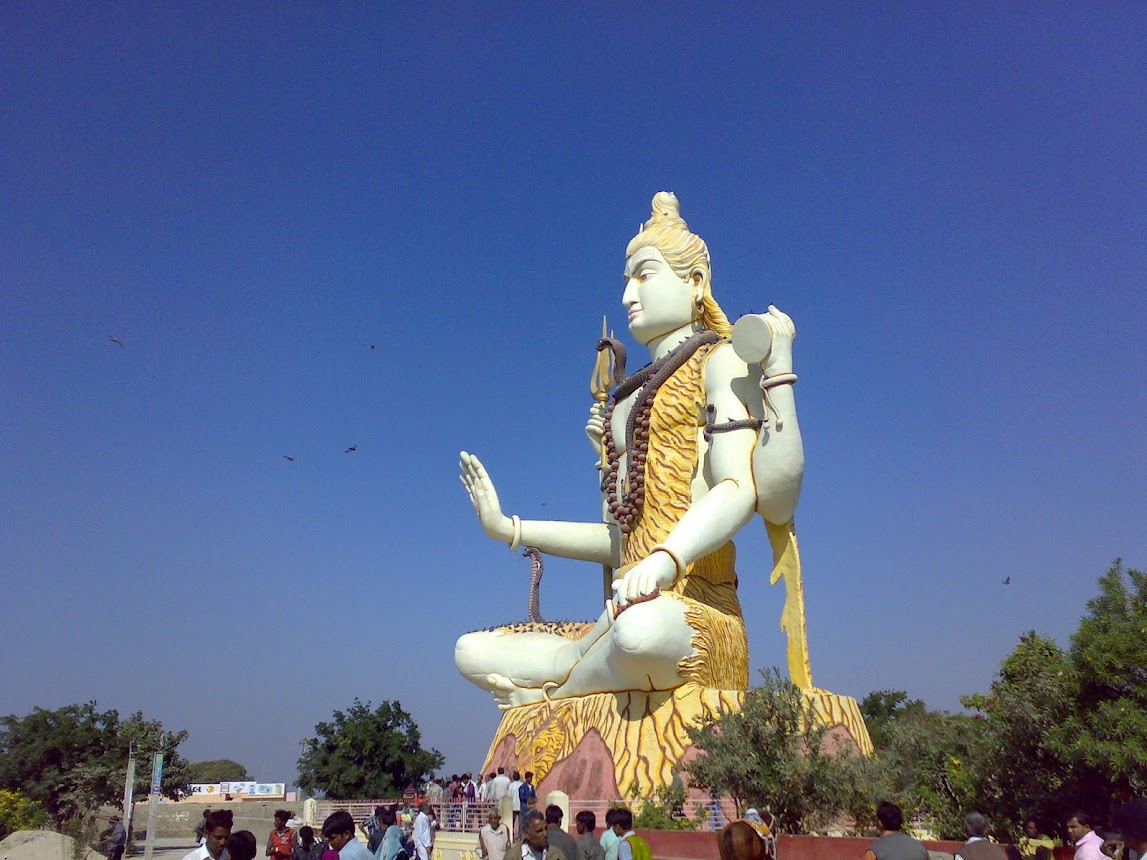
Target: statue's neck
(661,346)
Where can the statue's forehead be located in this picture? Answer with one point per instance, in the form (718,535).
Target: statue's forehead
(643,255)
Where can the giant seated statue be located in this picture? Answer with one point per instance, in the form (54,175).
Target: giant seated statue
(694,444)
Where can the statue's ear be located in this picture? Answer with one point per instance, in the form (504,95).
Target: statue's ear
(697,281)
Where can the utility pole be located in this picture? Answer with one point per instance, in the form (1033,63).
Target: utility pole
(153,805)
(129,788)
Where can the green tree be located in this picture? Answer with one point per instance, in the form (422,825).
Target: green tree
(775,753)
(1022,771)
(74,759)
(665,810)
(1068,730)
(18,812)
(926,761)
(217,770)
(882,708)
(366,754)
(1105,732)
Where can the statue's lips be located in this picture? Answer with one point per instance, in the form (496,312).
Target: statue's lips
(634,310)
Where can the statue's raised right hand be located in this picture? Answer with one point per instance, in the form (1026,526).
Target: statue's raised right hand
(595,426)
(484,498)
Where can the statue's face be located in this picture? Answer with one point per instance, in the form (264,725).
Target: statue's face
(656,300)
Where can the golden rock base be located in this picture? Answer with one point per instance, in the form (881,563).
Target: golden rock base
(607,745)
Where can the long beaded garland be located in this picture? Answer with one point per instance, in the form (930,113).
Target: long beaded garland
(626,501)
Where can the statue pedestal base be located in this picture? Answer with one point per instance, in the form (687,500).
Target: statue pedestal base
(612,745)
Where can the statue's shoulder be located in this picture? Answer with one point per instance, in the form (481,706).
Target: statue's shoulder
(723,366)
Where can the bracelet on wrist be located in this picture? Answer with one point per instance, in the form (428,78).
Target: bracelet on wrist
(768,382)
(516,542)
(677,562)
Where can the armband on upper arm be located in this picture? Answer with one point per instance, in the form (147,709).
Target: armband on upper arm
(711,425)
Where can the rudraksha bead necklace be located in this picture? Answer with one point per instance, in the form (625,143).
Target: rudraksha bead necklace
(625,501)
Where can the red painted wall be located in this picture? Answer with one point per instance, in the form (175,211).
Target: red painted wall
(702,845)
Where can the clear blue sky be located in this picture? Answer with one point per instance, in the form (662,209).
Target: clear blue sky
(951,202)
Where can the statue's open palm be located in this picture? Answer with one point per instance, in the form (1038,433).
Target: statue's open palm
(484,498)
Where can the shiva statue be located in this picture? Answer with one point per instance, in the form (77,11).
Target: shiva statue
(694,444)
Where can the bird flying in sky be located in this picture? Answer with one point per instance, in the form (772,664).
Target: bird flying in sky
(351,449)
(115,340)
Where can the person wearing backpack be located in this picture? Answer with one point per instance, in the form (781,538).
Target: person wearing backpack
(630,846)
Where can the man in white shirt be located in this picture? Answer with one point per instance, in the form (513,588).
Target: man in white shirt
(216,832)
(499,786)
(1088,845)
(493,838)
(512,788)
(423,833)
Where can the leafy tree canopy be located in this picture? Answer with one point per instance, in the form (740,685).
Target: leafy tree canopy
(1022,771)
(880,708)
(217,770)
(775,753)
(364,754)
(1068,729)
(1107,728)
(927,765)
(74,759)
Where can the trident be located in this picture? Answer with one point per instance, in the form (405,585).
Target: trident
(608,371)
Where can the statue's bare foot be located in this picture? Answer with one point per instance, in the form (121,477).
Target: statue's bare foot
(509,695)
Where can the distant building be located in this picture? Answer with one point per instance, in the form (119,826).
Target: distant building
(213,792)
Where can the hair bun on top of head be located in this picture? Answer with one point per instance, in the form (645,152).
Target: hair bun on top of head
(666,207)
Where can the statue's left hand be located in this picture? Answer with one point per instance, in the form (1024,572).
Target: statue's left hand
(484,498)
(657,570)
(780,359)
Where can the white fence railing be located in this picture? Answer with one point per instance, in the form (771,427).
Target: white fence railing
(461,817)
(468,817)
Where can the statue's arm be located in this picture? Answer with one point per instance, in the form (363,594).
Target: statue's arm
(596,542)
(778,460)
(729,504)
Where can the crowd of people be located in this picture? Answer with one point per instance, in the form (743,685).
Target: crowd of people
(1128,841)
(218,841)
(539,835)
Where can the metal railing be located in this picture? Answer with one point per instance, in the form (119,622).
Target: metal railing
(468,817)
(465,817)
